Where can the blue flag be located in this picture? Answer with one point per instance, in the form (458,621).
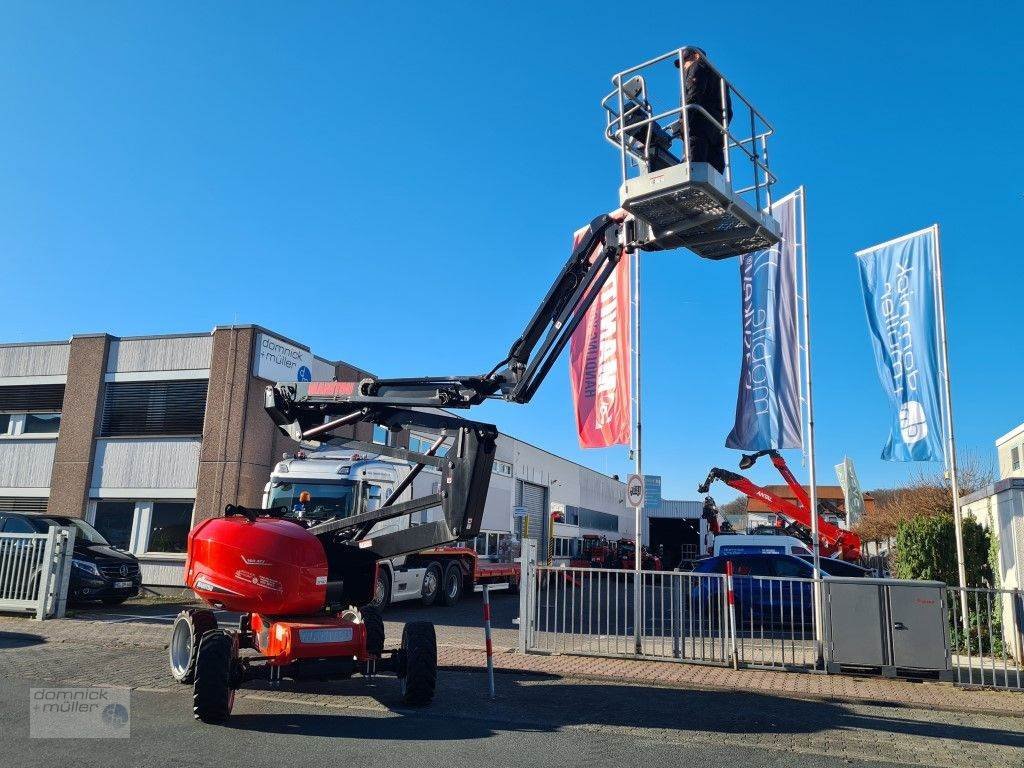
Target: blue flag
(898,280)
(768,401)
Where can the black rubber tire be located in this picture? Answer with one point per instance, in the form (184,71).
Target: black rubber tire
(419,651)
(429,598)
(513,586)
(212,692)
(381,590)
(198,622)
(452,585)
(374,630)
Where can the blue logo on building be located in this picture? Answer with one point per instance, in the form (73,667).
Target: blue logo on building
(304,374)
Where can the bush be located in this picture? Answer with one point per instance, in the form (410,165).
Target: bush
(926,549)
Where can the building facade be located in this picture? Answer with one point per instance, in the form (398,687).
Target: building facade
(146,436)
(1010,453)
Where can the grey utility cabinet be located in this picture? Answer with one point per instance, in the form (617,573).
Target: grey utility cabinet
(888,624)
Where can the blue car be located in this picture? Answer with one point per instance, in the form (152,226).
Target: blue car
(770,589)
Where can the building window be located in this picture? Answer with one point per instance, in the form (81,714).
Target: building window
(169,526)
(32,397)
(114,520)
(380,434)
(135,408)
(143,526)
(42,423)
(12,424)
(502,468)
(422,443)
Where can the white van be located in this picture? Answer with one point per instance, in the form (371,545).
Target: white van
(746,544)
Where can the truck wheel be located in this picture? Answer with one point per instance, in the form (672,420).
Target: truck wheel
(452,585)
(374,630)
(419,652)
(212,692)
(381,590)
(189,628)
(513,585)
(431,584)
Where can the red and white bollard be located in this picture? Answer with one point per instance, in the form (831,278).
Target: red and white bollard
(732,614)
(487,640)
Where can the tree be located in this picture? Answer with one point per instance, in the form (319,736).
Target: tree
(925,495)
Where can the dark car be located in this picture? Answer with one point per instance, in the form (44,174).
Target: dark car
(771,591)
(98,570)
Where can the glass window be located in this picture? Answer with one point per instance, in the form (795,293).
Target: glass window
(5,423)
(169,526)
(84,531)
(380,435)
(17,525)
(326,499)
(114,521)
(42,423)
(1015,458)
(791,567)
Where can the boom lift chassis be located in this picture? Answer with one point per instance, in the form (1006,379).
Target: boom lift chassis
(305,629)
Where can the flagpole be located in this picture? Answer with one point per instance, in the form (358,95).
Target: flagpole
(638,455)
(951,464)
(811,463)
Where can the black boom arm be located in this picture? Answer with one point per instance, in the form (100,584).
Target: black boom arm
(300,408)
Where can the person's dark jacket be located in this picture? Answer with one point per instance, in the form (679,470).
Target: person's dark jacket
(704,87)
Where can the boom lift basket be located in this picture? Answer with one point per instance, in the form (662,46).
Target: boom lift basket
(684,203)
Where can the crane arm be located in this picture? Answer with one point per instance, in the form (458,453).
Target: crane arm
(833,538)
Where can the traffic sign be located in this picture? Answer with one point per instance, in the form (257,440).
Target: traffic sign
(635,491)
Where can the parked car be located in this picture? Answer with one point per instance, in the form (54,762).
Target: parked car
(771,591)
(99,571)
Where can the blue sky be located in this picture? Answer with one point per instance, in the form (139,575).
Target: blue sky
(398,187)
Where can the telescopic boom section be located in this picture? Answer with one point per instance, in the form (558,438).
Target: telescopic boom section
(834,539)
(311,410)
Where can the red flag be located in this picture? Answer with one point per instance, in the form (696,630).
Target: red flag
(599,364)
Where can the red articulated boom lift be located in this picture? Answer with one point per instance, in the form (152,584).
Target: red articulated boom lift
(835,542)
(303,586)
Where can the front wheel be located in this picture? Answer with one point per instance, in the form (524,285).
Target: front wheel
(213,693)
(419,663)
(189,628)
(381,590)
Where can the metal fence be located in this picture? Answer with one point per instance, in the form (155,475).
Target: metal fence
(681,617)
(985,637)
(34,571)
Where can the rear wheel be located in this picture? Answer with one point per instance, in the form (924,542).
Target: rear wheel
(452,585)
(419,655)
(188,630)
(213,693)
(431,584)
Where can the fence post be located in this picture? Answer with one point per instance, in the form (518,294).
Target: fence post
(1017,615)
(46,569)
(63,571)
(527,590)
(731,621)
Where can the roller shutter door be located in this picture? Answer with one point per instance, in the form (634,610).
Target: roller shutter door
(534,498)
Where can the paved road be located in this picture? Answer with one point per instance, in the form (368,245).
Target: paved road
(536,721)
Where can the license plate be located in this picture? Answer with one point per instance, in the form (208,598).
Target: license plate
(122,584)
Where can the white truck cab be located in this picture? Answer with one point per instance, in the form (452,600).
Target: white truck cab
(335,479)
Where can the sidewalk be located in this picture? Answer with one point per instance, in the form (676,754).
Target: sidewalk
(800,685)
(74,645)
